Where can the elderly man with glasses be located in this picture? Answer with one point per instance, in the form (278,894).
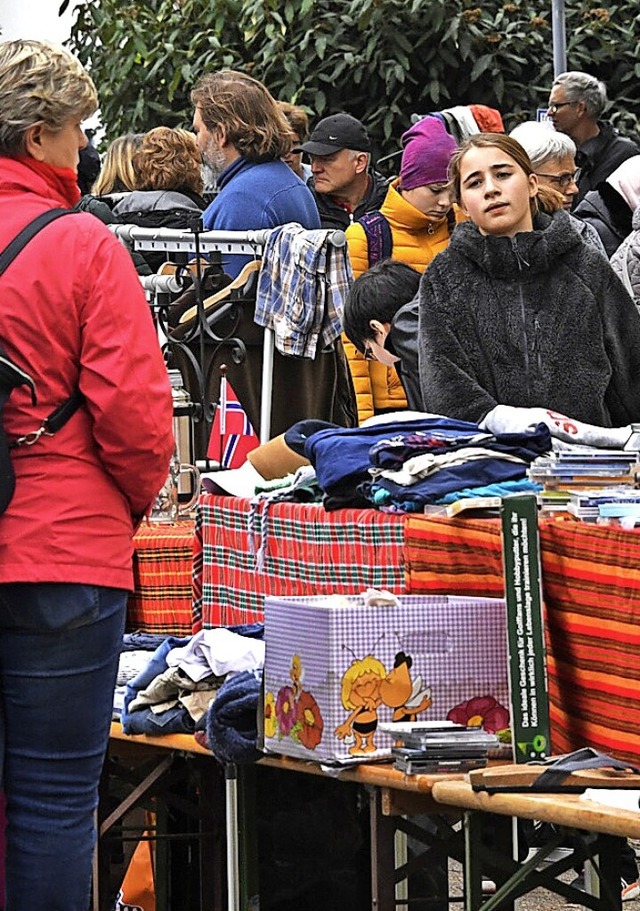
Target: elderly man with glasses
(576,104)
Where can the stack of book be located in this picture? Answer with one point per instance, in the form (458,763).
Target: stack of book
(567,471)
(442,746)
(593,504)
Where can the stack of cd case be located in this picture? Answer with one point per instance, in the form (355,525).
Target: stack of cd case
(442,746)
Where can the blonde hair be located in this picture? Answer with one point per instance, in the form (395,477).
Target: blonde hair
(252,120)
(546,199)
(40,83)
(358,668)
(168,159)
(117,174)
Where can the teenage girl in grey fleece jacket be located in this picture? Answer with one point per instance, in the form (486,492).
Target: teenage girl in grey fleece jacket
(518,310)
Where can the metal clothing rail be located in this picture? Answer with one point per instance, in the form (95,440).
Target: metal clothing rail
(162,284)
(183,241)
(195,242)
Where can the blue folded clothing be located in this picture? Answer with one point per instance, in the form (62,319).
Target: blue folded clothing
(236,707)
(175,720)
(139,640)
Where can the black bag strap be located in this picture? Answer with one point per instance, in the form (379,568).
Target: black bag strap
(11,376)
(585,758)
(22,239)
(59,417)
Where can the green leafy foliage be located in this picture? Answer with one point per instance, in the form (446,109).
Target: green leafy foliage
(381,60)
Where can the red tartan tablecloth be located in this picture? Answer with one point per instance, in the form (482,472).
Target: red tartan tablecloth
(306,551)
(591,586)
(162,563)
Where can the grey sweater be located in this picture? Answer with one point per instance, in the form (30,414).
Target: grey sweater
(540,319)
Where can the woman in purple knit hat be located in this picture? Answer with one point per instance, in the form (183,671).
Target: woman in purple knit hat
(414,223)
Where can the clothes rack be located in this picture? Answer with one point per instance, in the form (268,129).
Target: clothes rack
(162,284)
(199,242)
(183,241)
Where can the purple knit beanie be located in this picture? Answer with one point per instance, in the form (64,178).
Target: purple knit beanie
(427,151)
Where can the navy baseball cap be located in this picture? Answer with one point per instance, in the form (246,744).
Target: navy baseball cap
(338,131)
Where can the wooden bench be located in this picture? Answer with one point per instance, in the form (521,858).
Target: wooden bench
(596,830)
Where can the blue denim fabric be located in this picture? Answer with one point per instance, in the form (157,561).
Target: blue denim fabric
(141,641)
(176,720)
(143,721)
(59,647)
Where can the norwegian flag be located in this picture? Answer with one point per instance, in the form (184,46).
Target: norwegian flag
(232,436)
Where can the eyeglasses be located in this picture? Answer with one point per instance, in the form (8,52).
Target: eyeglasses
(368,354)
(561,180)
(557,105)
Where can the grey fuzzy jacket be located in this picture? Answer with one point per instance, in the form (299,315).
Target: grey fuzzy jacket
(628,254)
(540,319)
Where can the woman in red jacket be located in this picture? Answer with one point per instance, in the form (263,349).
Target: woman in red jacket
(73,315)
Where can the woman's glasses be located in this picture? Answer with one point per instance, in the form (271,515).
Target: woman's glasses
(561,181)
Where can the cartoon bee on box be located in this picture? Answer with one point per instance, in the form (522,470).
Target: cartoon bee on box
(365,686)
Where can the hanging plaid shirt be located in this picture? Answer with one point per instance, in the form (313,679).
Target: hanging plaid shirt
(302,286)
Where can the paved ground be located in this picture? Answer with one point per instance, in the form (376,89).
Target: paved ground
(540,899)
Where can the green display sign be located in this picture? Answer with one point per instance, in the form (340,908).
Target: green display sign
(525,624)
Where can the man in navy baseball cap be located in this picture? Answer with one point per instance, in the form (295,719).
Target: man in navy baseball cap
(345,188)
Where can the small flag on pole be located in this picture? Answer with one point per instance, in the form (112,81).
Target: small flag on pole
(232,436)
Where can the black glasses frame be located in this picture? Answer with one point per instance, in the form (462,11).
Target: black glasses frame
(561,180)
(557,105)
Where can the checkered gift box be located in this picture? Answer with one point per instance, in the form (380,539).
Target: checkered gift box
(336,667)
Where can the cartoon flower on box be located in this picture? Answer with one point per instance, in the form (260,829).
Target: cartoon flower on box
(270,718)
(481,711)
(286,709)
(294,712)
(309,724)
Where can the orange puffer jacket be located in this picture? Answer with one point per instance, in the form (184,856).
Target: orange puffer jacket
(415,242)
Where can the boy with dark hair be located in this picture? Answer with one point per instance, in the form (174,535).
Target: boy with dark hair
(381,319)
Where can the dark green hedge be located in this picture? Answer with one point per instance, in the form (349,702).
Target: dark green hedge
(381,60)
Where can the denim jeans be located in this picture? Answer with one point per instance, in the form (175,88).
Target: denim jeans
(59,647)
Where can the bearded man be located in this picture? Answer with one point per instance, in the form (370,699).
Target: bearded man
(242,136)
